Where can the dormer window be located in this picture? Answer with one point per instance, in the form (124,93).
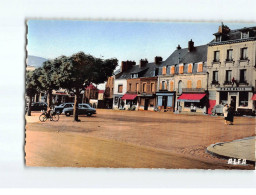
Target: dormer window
(134,75)
(245,35)
(218,38)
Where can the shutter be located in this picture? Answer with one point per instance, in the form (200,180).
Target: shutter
(171,86)
(160,86)
(169,101)
(165,85)
(159,100)
(199,84)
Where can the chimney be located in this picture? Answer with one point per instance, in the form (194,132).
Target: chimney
(179,47)
(158,59)
(223,29)
(123,66)
(143,62)
(190,45)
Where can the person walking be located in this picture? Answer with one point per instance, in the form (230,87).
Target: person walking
(230,116)
(225,112)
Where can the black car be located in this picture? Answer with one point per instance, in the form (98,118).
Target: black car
(38,106)
(83,109)
(59,109)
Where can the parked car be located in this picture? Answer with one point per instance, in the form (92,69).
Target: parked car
(217,109)
(38,106)
(83,109)
(59,109)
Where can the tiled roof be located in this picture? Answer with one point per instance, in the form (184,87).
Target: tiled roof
(234,36)
(199,54)
(146,71)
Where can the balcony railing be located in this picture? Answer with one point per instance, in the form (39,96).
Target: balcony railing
(215,82)
(197,90)
(243,82)
(227,83)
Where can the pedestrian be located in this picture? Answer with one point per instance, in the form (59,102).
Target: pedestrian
(225,113)
(230,116)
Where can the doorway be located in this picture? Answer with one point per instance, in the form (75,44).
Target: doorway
(146,104)
(233,102)
(165,102)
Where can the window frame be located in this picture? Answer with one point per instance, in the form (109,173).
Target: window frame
(120,85)
(215,56)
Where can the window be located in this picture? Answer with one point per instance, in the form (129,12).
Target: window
(144,87)
(215,77)
(199,84)
(229,55)
(228,75)
(134,75)
(164,70)
(200,67)
(181,69)
(244,35)
(173,70)
(218,38)
(243,99)
(152,87)
(244,55)
(242,76)
(130,86)
(223,97)
(190,68)
(171,86)
(120,88)
(163,85)
(216,56)
(189,84)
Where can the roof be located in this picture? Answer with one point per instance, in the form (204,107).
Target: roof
(199,54)
(146,71)
(91,86)
(234,36)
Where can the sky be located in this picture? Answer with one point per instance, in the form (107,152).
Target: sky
(122,40)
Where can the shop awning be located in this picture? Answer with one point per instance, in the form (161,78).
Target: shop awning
(188,97)
(254,97)
(129,96)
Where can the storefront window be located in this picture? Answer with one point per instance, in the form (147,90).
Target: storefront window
(243,99)
(223,97)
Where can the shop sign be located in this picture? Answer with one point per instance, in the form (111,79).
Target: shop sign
(234,89)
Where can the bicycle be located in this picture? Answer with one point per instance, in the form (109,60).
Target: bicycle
(53,116)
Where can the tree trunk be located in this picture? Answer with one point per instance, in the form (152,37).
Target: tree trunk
(29,106)
(49,99)
(75,113)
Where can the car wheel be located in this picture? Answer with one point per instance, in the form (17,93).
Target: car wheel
(58,112)
(89,114)
(67,113)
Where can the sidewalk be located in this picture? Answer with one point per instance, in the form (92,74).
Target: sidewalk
(240,149)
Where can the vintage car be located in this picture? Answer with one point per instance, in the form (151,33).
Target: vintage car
(38,106)
(59,109)
(217,109)
(83,109)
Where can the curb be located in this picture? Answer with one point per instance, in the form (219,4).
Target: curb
(224,156)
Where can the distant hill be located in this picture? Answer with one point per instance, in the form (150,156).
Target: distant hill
(35,61)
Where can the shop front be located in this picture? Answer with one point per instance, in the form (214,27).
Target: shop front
(147,102)
(130,101)
(240,98)
(192,102)
(165,101)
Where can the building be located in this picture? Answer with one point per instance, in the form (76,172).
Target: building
(231,65)
(120,85)
(109,91)
(182,82)
(140,87)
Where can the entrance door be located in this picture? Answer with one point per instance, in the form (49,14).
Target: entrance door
(165,102)
(233,102)
(146,104)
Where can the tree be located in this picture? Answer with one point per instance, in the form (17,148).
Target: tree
(48,77)
(79,70)
(31,88)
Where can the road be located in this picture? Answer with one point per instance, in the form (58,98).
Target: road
(136,139)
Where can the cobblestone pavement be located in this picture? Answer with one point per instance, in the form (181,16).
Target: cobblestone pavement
(132,139)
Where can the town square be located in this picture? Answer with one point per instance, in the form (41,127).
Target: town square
(191,109)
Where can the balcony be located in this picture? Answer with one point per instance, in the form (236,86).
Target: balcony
(243,82)
(193,90)
(227,83)
(215,83)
